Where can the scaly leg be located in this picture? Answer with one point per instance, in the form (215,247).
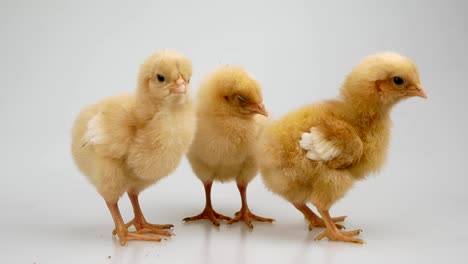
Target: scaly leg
(208,213)
(121,230)
(314,220)
(140,223)
(333,233)
(245,214)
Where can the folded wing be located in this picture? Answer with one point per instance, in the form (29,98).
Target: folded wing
(334,142)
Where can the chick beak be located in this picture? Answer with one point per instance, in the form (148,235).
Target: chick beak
(418,91)
(180,87)
(258,108)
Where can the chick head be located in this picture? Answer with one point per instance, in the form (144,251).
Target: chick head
(384,78)
(165,74)
(231,90)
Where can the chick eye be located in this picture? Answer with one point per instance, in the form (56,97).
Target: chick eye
(160,78)
(398,80)
(240,98)
(188,81)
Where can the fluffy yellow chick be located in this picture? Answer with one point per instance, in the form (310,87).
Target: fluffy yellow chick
(316,153)
(128,142)
(228,126)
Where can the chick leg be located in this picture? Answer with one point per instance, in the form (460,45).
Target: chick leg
(208,213)
(140,223)
(121,230)
(334,234)
(314,220)
(245,214)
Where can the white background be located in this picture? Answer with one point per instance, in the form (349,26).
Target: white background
(58,56)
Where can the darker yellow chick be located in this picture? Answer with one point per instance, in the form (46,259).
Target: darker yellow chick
(230,116)
(316,153)
(128,142)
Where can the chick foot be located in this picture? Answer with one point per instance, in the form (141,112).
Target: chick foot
(140,223)
(209,214)
(121,229)
(246,216)
(125,235)
(143,227)
(332,232)
(316,221)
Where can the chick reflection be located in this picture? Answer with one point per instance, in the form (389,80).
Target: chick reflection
(122,255)
(206,256)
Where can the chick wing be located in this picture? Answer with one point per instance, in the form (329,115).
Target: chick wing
(334,142)
(109,130)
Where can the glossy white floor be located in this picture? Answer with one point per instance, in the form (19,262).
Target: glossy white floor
(71,224)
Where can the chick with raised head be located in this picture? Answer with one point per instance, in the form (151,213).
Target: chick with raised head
(128,142)
(316,153)
(230,116)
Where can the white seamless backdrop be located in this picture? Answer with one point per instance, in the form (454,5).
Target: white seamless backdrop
(58,56)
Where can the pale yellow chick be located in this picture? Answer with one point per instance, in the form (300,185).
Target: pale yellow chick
(128,142)
(230,116)
(315,154)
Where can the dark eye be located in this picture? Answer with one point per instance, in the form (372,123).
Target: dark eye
(398,80)
(240,98)
(188,81)
(160,78)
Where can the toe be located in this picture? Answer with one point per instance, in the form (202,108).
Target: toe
(161,232)
(248,223)
(341,236)
(321,235)
(222,217)
(214,221)
(352,233)
(135,236)
(187,219)
(157,231)
(165,226)
(261,219)
(233,220)
(340,226)
(142,231)
(355,240)
(192,218)
(338,219)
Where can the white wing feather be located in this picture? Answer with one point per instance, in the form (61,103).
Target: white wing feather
(94,132)
(318,148)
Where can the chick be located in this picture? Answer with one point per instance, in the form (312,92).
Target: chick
(228,126)
(128,142)
(316,153)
